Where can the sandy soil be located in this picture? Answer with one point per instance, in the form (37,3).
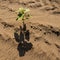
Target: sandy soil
(44,27)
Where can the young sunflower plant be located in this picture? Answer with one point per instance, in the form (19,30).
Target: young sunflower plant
(23,14)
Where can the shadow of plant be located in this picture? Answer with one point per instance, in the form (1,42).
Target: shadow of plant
(24,47)
(23,39)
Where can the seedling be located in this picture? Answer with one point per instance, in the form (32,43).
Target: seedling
(23,14)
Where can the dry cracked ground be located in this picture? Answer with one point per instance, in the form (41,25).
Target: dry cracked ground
(44,27)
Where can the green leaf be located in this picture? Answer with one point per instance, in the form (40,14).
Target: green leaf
(23,14)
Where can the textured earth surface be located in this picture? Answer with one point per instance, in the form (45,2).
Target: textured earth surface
(44,27)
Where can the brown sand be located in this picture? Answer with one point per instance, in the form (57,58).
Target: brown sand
(44,26)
